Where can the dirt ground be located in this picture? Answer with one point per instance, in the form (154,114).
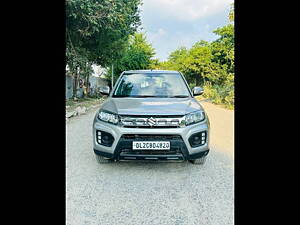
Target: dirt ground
(222,127)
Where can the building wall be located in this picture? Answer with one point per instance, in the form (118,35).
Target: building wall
(96,83)
(69,87)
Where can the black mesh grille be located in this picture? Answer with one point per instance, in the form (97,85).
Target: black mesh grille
(175,144)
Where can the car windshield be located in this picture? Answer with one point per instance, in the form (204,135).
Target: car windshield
(152,85)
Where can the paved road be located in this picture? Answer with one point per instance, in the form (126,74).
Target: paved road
(150,193)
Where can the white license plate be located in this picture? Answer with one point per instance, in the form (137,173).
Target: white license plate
(152,145)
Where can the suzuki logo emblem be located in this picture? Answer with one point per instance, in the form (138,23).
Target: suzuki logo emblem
(151,121)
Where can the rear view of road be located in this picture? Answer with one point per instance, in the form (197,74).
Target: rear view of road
(150,193)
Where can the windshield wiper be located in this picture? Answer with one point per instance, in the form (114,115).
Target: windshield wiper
(136,96)
(145,96)
(179,96)
(120,96)
(150,96)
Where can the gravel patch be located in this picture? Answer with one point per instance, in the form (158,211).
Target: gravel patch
(146,193)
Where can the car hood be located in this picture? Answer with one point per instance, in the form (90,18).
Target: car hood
(151,106)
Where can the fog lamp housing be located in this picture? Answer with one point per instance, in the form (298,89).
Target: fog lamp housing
(198,139)
(104,138)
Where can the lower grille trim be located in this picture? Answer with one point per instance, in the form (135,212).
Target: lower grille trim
(177,149)
(151,157)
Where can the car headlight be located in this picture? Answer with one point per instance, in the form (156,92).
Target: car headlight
(194,117)
(108,117)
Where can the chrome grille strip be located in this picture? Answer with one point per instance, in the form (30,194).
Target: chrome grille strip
(152,121)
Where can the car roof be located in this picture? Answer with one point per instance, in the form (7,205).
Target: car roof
(150,71)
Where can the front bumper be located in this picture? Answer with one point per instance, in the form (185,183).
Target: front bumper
(178,137)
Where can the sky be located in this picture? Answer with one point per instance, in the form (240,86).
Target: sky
(170,24)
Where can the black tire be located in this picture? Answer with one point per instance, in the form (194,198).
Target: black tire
(200,161)
(102,160)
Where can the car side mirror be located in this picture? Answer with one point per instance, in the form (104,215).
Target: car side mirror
(197,91)
(104,90)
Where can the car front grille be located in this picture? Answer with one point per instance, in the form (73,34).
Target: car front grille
(163,121)
(125,148)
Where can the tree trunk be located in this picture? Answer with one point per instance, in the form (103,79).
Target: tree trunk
(75,83)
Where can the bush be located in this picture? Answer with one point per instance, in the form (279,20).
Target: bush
(219,94)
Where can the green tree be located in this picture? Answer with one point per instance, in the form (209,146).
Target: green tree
(137,55)
(223,47)
(221,74)
(209,64)
(193,63)
(231,13)
(97,32)
(198,62)
(176,60)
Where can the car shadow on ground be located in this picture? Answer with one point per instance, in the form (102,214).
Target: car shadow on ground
(148,166)
(215,160)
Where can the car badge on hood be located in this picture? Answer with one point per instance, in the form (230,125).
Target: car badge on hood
(151,121)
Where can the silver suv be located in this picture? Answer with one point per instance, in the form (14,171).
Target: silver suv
(151,115)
